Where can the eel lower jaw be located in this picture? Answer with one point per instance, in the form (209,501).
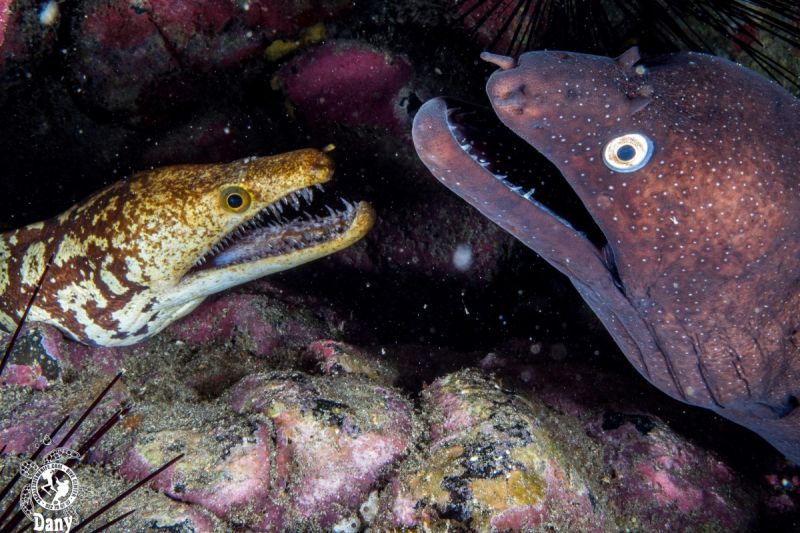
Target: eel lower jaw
(453,143)
(281,236)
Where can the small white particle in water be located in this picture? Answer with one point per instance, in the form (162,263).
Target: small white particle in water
(462,257)
(49,13)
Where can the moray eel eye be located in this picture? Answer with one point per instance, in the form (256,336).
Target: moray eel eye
(628,153)
(235,199)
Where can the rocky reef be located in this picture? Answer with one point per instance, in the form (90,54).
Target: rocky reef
(285,426)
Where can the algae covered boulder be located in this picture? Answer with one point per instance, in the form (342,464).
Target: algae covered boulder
(490,465)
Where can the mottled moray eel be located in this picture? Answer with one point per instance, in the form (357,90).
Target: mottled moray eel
(145,251)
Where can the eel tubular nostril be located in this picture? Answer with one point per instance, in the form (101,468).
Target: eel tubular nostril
(504,62)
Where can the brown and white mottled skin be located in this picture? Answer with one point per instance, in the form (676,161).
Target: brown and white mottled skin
(705,237)
(121,259)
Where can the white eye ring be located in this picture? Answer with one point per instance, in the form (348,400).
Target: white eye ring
(628,153)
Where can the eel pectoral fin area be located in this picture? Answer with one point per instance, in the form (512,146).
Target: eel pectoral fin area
(444,151)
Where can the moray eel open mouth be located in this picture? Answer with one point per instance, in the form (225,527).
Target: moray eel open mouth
(522,180)
(518,166)
(299,221)
(686,166)
(143,252)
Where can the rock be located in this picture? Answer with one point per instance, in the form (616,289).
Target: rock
(288,450)
(5,11)
(36,415)
(153,511)
(335,439)
(550,441)
(258,323)
(649,475)
(225,469)
(490,465)
(291,450)
(35,359)
(348,84)
(333,358)
(281,19)
(136,60)
(657,479)
(27,30)
(500,460)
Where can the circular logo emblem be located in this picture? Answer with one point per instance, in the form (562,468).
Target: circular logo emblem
(55,486)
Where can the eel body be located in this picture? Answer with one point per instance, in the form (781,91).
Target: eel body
(686,167)
(145,251)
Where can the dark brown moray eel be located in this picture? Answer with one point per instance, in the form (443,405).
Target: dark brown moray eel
(688,165)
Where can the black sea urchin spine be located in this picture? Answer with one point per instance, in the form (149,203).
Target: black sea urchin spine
(609,26)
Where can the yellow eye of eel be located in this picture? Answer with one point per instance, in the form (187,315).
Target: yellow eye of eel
(235,199)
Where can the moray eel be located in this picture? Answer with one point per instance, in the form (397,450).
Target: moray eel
(686,169)
(147,250)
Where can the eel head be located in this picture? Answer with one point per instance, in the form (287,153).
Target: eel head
(145,251)
(671,206)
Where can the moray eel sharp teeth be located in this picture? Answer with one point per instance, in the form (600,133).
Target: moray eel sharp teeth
(295,228)
(462,141)
(145,251)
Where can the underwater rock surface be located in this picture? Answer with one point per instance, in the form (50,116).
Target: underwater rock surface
(348,85)
(132,59)
(286,428)
(489,465)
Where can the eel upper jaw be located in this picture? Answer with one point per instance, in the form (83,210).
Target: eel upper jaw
(279,237)
(441,144)
(590,268)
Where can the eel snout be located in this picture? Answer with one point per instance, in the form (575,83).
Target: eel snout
(443,136)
